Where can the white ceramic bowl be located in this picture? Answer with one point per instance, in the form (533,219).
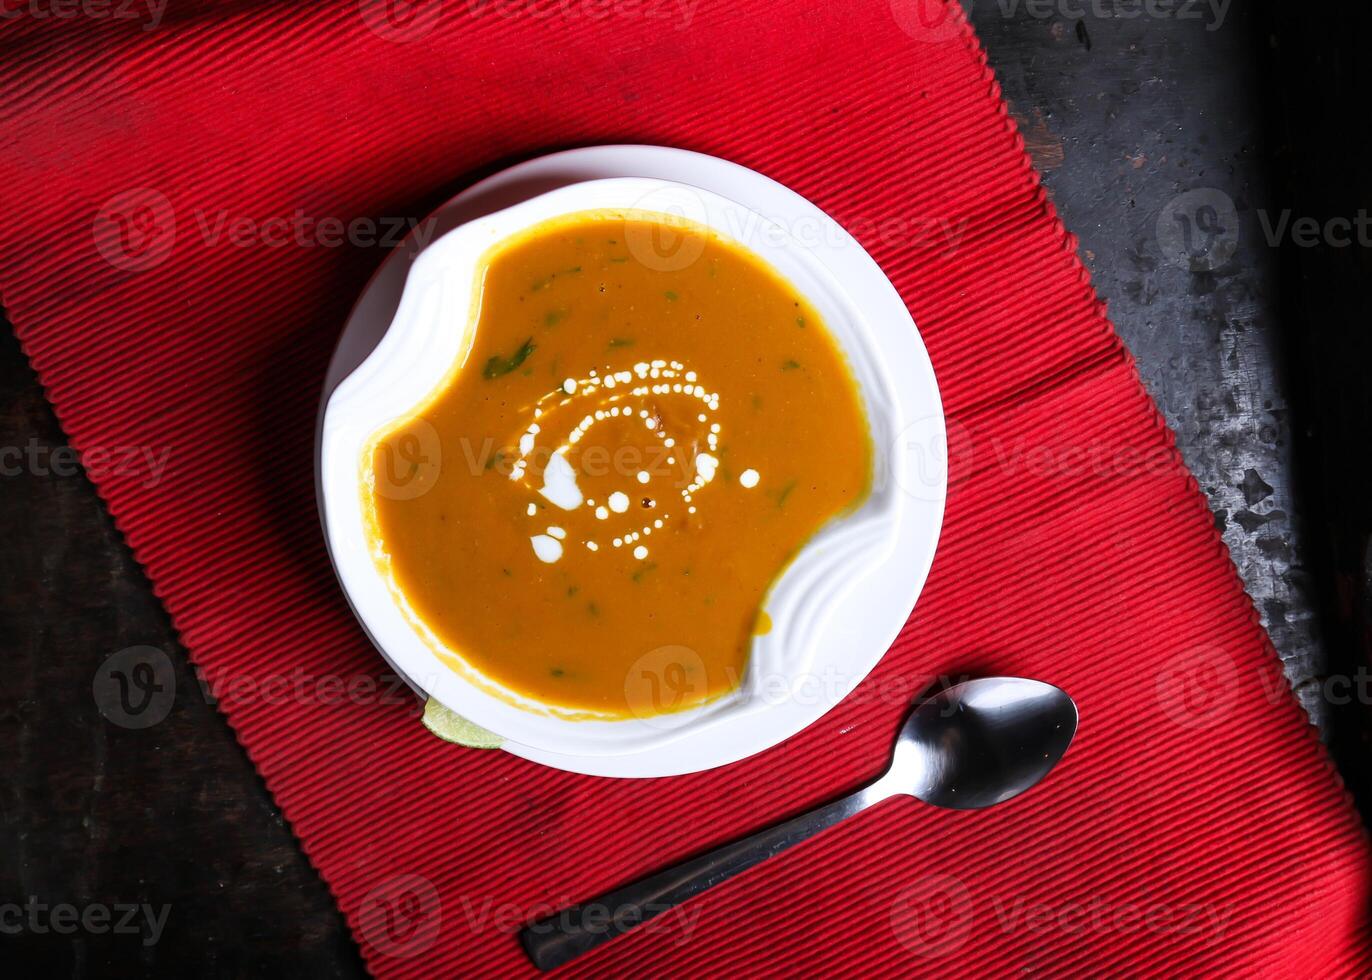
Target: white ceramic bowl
(834,610)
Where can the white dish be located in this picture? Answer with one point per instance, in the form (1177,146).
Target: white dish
(835,610)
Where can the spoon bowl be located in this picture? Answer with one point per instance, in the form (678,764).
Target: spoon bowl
(971,745)
(982,742)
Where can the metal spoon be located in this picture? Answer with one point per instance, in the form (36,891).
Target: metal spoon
(972,745)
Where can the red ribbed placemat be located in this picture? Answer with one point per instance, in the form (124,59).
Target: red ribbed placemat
(1195,824)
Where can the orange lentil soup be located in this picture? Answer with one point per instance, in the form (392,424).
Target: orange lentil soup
(594,505)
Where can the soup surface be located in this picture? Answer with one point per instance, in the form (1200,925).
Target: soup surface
(593,506)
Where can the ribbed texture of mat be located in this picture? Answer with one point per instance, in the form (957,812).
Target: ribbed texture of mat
(1195,826)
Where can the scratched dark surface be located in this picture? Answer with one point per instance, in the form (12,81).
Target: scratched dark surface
(1256,358)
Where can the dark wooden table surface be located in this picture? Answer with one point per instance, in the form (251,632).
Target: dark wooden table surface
(1199,119)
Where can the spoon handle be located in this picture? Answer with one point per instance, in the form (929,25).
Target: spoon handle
(562,937)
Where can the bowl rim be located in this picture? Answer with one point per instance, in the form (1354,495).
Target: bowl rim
(570,198)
